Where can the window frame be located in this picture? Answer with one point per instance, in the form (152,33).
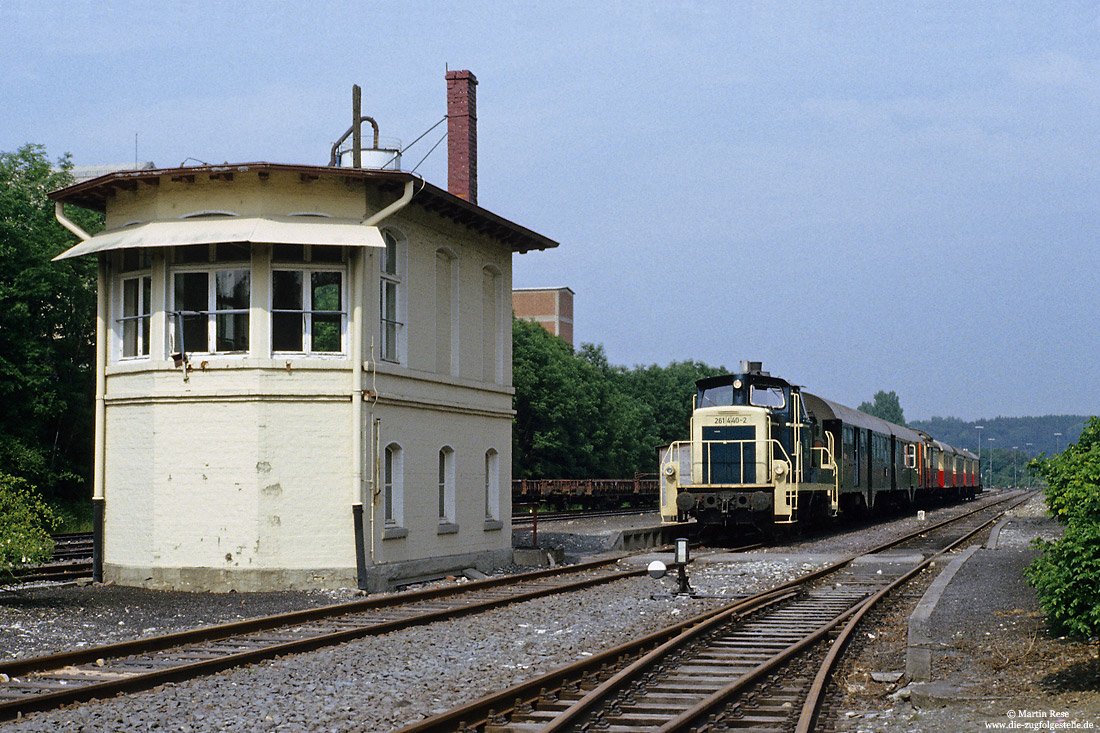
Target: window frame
(307,270)
(141,319)
(446,485)
(392,485)
(492,484)
(391,310)
(212,267)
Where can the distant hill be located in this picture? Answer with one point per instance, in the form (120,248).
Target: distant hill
(1008,432)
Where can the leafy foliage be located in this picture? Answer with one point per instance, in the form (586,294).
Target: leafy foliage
(1073,478)
(1067,573)
(886,407)
(47,312)
(577,416)
(566,410)
(25,524)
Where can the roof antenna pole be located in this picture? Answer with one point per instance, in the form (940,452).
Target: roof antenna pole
(356,126)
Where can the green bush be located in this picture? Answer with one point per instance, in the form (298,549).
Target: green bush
(1067,572)
(1073,477)
(1067,577)
(25,525)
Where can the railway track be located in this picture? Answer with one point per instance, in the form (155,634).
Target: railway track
(71,560)
(43,683)
(761,663)
(528,518)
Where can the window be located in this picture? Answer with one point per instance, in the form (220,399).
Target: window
(492,320)
(446,484)
(307,311)
(136,292)
(446,312)
(767,397)
(392,470)
(492,482)
(212,305)
(391,296)
(136,302)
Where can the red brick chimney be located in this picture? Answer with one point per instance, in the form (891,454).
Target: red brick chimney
(462,135)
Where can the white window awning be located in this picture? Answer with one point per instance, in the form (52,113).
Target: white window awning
(266,229)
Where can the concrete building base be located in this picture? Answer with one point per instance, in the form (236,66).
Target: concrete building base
(379,577)
(225,580)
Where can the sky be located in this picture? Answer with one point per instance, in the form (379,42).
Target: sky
(862,195)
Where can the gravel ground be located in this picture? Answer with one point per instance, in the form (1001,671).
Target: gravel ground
(389,681)
(993,664)
(379,683)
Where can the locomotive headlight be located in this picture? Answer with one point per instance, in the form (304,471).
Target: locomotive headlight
(670,470)
(737,384)
(780,468)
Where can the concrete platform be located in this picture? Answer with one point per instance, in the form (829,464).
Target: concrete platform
(578,538)
(970,599)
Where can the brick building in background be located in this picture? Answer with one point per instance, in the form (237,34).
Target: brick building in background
(552,308)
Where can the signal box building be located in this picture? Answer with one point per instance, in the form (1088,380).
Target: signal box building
(303,372)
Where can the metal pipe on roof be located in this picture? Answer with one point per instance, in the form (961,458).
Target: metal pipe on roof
(334,156)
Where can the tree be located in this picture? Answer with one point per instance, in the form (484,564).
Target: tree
(665,396)
(25,524)
(578,416)
(571,421)
(886,406)
(1067,572)
(47,312)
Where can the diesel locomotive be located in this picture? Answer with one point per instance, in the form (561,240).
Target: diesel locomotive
(766,454)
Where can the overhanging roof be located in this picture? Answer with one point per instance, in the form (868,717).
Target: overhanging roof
(94,193)
(212,230)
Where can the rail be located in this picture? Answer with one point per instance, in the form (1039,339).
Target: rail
(43,683)
(611,689)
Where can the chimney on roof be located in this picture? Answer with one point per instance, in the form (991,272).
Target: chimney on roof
(462,135)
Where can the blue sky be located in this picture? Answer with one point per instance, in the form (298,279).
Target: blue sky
(862,195)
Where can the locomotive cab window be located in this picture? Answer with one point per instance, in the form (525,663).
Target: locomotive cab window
(720,396)
(767,397)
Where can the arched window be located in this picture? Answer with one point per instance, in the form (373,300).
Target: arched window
(492,484)
(392,484)
(446,311)
(392,296)
(446,485)
(492,300)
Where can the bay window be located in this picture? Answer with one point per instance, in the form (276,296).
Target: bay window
(307,311)
(213,308)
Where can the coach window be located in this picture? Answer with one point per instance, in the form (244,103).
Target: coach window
(308,312)
(136,306)
(211,294)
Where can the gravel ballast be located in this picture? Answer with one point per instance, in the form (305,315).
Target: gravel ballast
(378,683)
(395,679)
